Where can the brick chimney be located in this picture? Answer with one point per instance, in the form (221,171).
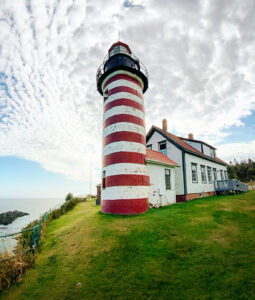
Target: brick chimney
(164,125)
(191,136)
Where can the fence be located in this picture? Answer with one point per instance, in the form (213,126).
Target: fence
(28,239)
(24,241)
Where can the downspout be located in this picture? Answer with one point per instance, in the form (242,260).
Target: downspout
(184,172)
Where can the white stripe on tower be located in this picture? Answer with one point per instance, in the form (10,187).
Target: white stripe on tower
(124,146)
(124,192)
(125,168)
(126,181)
(122,82)
(123,126)
(123,95)
(123,109)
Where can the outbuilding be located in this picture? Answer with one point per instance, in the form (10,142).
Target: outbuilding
(161,170)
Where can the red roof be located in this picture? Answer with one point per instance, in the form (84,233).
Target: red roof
(157,156)
(185,146)
(119,44)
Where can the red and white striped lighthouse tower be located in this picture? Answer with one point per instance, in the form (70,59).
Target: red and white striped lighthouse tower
(122,80)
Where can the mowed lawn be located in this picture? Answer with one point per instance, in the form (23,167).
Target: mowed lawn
(202,249)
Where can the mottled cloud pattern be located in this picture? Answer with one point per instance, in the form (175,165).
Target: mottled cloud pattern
(200,56)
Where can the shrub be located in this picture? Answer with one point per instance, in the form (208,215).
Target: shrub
(69,197)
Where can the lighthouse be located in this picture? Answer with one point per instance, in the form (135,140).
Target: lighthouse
(122,80)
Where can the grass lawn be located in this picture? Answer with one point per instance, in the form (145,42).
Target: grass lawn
(202,249)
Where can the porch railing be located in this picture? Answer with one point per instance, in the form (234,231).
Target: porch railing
(230,185)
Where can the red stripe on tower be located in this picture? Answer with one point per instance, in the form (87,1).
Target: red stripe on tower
(127,180)
(124,118)
(122,84)
(125,89)
(124,157)
(125,206)
(124,136)
(124,101)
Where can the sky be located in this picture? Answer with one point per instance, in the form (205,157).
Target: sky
(200,56)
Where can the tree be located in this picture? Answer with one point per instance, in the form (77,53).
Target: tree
(251,173)
(243,170)
(69,197)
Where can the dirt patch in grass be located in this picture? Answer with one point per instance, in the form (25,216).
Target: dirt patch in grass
(199,220)
(225,234)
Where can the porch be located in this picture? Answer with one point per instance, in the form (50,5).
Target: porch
(233,185)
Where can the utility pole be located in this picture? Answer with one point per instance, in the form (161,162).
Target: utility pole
(90,179)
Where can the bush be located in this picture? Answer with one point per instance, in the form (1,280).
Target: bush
(69,197)
(12,267)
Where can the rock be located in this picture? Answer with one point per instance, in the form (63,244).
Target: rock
(10,216)
(78,284)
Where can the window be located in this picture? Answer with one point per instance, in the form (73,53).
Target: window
(103,180)
(162,147)
(214,174)
(225,175)
(212,152)
(149,146)
(209,174)
(105,94)
(203,174)
(194,172)
(221,174)
(168,179)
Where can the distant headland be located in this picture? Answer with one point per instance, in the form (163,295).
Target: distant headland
(8,217)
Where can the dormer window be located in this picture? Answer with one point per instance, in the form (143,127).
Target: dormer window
(162,147)
(212,152)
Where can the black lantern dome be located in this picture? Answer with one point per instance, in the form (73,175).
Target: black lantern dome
(120,57)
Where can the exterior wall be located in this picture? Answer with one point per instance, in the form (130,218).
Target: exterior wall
(195,145)
(187,197)
(158,195)
(125,183)
(175,154)
(154,140)
(200,187)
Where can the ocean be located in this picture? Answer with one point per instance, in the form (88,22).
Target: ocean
(35,208)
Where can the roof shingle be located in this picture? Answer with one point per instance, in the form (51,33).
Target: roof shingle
(157,156)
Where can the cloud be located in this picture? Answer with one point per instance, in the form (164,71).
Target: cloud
(200,57)
(239,151)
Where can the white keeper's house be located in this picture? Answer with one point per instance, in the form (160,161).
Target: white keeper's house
(195,166)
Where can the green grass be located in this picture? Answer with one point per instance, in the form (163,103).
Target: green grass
(202,249)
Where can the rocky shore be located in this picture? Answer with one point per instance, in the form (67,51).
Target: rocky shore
(8,217)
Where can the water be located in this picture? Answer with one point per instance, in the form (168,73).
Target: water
(35,208)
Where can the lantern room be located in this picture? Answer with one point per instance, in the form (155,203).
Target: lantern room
(121,57)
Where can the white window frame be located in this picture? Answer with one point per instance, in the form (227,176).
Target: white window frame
(203,172)
(164,151)
(168,187)
(214,173)
(209,174)
(194,172)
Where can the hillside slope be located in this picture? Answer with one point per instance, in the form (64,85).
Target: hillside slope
(202,249)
